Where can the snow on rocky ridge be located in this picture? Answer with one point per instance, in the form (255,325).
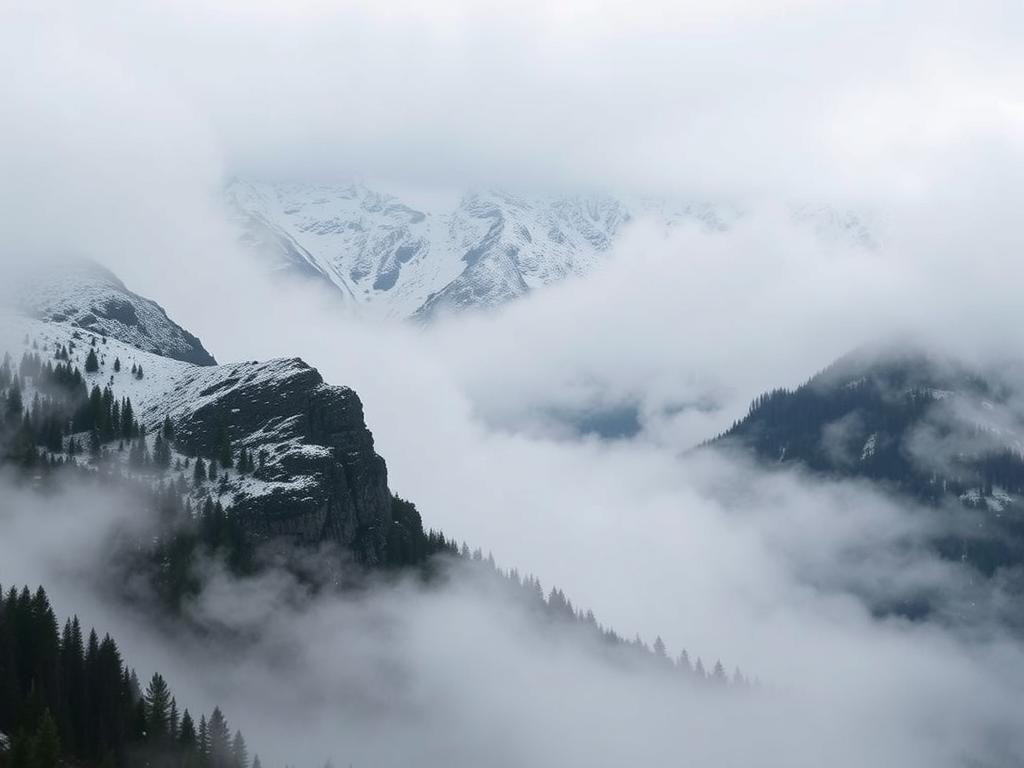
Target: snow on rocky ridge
(320,477)
(84,294)
(398,260)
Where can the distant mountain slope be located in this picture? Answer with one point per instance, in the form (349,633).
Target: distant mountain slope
(84,294)
(398,260)
(919,424)
(234,462)
(378,251)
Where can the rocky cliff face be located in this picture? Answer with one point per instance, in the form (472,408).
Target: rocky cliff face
(320,479)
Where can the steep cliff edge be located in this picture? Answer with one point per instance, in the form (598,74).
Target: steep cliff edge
(314,476)
(319,477)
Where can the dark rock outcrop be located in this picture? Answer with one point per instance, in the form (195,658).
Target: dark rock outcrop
(318,477)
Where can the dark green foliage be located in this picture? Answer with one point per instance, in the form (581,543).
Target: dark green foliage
(161,452)
(157,709)
(46,743)
(406,543)
(66,701)
(199,472)
(222,447)
(13,404)
(5,371)
(59,394)
(246,463)
(129,427)
(92,364)
(857,418)
(95,445)
(172,558)
(138,456)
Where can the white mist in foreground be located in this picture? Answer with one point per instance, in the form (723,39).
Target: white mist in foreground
(463,675)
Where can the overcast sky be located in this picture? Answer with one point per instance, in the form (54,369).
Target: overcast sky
(122,120)
(784,96)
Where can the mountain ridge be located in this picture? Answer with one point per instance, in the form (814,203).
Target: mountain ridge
(85,294)
(924,425)
(491,247)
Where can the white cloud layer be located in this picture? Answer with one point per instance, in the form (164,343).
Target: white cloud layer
(122,121)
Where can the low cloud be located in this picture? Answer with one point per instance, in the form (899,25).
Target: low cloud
(119,144)
(753,568)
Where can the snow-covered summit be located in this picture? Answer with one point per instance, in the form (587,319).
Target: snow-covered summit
(399,259)
(85,294)
(404,261)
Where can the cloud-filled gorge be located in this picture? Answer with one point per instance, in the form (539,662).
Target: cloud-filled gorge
(875,641)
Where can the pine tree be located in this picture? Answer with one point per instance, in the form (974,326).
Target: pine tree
(684,662)
(161,452)
(115,419)
(187,732)
(46,743)
(5,371)
(95,445)
(220,740)
(239,752)
(158,708)
(14,405)
(173,720)
(222,447)
(92,364)
(659,648)
(127,419)
(117,365)
(199,472)
(139,454)
(203,742)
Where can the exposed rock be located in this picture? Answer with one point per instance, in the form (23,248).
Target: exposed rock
(86,295)
(321,479)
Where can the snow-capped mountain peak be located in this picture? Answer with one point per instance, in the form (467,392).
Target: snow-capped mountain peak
(400,260)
